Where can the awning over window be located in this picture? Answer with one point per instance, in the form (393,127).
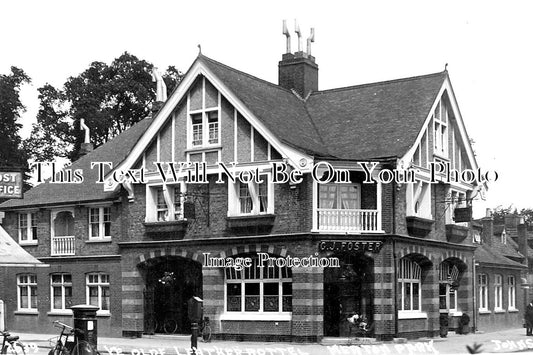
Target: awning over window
(12,254)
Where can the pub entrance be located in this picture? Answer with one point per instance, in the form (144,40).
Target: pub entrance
(348,291)
(170,282)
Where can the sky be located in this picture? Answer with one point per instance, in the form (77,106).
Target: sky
(486,44)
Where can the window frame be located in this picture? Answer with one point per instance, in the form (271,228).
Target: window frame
(199,133)
(100,284)
(29,228)
(483,290)
(236,277)
(101,222)
(63,285)
(511,293)
(28,285)
(173,209)
(409,273)
(256,193)
(498,292)
(338,200)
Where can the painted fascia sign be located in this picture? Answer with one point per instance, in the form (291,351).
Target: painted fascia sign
(10,184)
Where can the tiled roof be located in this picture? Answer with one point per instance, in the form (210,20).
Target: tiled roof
(509,249)
(282,112)
(372,121)
(378,120)
(489,257)
(113,151)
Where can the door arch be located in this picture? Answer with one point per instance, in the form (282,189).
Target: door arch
(348,290)
(170,281)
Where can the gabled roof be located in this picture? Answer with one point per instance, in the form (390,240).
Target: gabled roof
(378,120)
(364,122)
(281,111)
(114,151)
(370,121)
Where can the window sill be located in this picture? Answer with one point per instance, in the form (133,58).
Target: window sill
(265,316)
(484,311)
(250,220)
(27,312)
(200,148)
(60,312)
(24,243)
(103,314)
(99,240)
(412,315)
(513,310)
(456,313)
(499,310)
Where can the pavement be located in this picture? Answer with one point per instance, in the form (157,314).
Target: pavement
(501,342)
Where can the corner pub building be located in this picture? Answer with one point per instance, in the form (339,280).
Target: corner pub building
(136,249)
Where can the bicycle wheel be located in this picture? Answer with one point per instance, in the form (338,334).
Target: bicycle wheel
(84,348)
(16,348)
(171,325)
(206,334)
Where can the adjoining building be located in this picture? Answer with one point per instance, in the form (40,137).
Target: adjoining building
(137,248)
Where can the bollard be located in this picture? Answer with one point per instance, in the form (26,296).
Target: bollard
(86,326)
(195,315)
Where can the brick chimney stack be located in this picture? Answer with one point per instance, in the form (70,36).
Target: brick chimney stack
(298,71)
(488,230)
(522,240)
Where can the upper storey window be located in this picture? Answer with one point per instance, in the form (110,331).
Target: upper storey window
(440,124)
(27,230)
(203,108)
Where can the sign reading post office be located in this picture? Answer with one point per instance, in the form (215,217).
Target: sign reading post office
(10,184)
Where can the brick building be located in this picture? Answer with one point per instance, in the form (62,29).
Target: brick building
(137,248)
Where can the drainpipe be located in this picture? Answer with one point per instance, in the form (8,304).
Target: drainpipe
(474,298)
(395,288)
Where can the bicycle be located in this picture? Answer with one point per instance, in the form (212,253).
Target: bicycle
(13,346)
(205,330)
(64,347)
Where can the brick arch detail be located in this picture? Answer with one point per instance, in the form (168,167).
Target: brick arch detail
(254,248)
(416,249)
(452,254)
(169,252)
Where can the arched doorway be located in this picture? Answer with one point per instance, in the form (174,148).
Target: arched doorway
(348,291)
(170,281)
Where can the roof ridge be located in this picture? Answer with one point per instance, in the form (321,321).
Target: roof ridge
(245,74)
(385,82)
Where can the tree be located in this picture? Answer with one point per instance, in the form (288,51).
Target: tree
(500,212)
(12,153)
(110,98)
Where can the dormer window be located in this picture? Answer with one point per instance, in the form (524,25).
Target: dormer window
(251,198)
(164,203)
